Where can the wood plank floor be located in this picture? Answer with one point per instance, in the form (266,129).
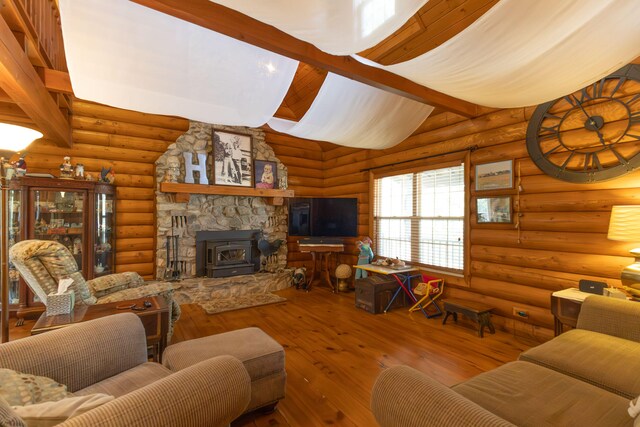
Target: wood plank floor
(334,352)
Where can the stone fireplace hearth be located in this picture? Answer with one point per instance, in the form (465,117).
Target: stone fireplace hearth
(178,223)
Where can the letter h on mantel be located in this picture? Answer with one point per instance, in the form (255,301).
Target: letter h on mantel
(190,168)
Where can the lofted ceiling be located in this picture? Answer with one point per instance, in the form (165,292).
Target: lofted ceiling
(435,23)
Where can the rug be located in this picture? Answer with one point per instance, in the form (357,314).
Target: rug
(241,301)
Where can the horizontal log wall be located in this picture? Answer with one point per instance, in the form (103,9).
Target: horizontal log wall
(563,226)
(129,142)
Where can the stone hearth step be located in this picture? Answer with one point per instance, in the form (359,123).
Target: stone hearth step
(202,289)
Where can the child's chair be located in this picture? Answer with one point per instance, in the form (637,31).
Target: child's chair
(430,288)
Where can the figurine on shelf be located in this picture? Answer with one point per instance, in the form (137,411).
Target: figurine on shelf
(41,226)
(89,177)
(66,168)
(20,167)
(66,240)
(8,170)
(365,256)
(107,175)
(77,246)
(79,173)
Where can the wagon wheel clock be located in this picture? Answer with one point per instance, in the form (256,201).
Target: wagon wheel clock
(592,134)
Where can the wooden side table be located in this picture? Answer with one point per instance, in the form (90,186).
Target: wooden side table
(320,251)
(155,320)
(565,312)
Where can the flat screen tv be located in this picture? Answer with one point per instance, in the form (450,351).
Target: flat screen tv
(319,217)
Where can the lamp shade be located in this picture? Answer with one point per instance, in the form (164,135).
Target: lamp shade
(16,138)
(624,224)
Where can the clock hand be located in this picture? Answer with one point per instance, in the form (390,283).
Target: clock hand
(591,121)
(601,137)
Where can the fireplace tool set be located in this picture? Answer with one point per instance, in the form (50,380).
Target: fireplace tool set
(175,267)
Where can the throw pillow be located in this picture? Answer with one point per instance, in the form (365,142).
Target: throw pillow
(24,389)
(48,414)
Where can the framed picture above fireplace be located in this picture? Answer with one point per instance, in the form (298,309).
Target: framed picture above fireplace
(266,174)
(232,159)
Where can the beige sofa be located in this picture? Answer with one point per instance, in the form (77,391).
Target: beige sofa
(109,355)
(584,377)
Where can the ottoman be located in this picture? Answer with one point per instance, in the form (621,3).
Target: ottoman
(262,356)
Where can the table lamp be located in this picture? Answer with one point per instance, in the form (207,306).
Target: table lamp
(12,138)
(624,226)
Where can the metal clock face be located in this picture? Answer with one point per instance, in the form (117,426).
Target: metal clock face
(592,134)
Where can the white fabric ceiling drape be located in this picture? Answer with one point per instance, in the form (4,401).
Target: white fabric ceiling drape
(340,27)
(353,114)
(525,52)
(128,56)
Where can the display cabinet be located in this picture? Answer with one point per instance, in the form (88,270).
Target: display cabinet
(78,214)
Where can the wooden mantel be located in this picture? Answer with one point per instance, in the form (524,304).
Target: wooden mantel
(183,192)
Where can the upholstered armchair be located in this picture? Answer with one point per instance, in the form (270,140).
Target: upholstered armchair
(42,263)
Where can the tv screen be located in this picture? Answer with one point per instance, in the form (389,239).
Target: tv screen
(320,217)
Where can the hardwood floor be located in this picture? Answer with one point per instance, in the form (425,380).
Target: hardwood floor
(334,352)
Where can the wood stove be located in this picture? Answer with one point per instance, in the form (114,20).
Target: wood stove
(226,253)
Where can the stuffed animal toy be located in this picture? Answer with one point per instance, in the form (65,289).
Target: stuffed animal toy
(364,257)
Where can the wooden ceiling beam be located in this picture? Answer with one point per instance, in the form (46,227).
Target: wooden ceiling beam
(21,82)
(241,27)
(55,81)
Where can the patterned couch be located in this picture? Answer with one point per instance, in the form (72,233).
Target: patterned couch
(42,263)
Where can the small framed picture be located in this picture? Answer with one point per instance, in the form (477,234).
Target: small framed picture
(494,176)
(493,209)
(266,174)
(232,159)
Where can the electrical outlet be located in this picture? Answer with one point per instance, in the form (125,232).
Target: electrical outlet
(520,312)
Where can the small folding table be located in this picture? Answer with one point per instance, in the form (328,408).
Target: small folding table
(402,275)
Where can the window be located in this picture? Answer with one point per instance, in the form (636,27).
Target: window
(419,217)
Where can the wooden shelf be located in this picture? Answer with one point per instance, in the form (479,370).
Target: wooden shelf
(182,191)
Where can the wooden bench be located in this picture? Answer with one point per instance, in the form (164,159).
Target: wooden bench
(475,311)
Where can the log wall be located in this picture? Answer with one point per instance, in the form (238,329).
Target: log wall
(562,233)
(129,142)
(562,227)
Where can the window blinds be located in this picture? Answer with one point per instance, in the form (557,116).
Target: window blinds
(419,217)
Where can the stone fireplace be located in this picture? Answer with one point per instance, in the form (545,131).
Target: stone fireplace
(182,225)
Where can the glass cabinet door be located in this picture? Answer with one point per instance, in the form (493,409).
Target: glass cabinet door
(14,237)
(58,215)
(103,262)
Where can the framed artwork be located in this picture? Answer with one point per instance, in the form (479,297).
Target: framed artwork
(266,174)
(232,159)
(493,209)
(494,176)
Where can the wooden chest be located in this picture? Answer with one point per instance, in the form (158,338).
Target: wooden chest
(374,293)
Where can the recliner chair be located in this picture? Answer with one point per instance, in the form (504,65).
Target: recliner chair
(42,263)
